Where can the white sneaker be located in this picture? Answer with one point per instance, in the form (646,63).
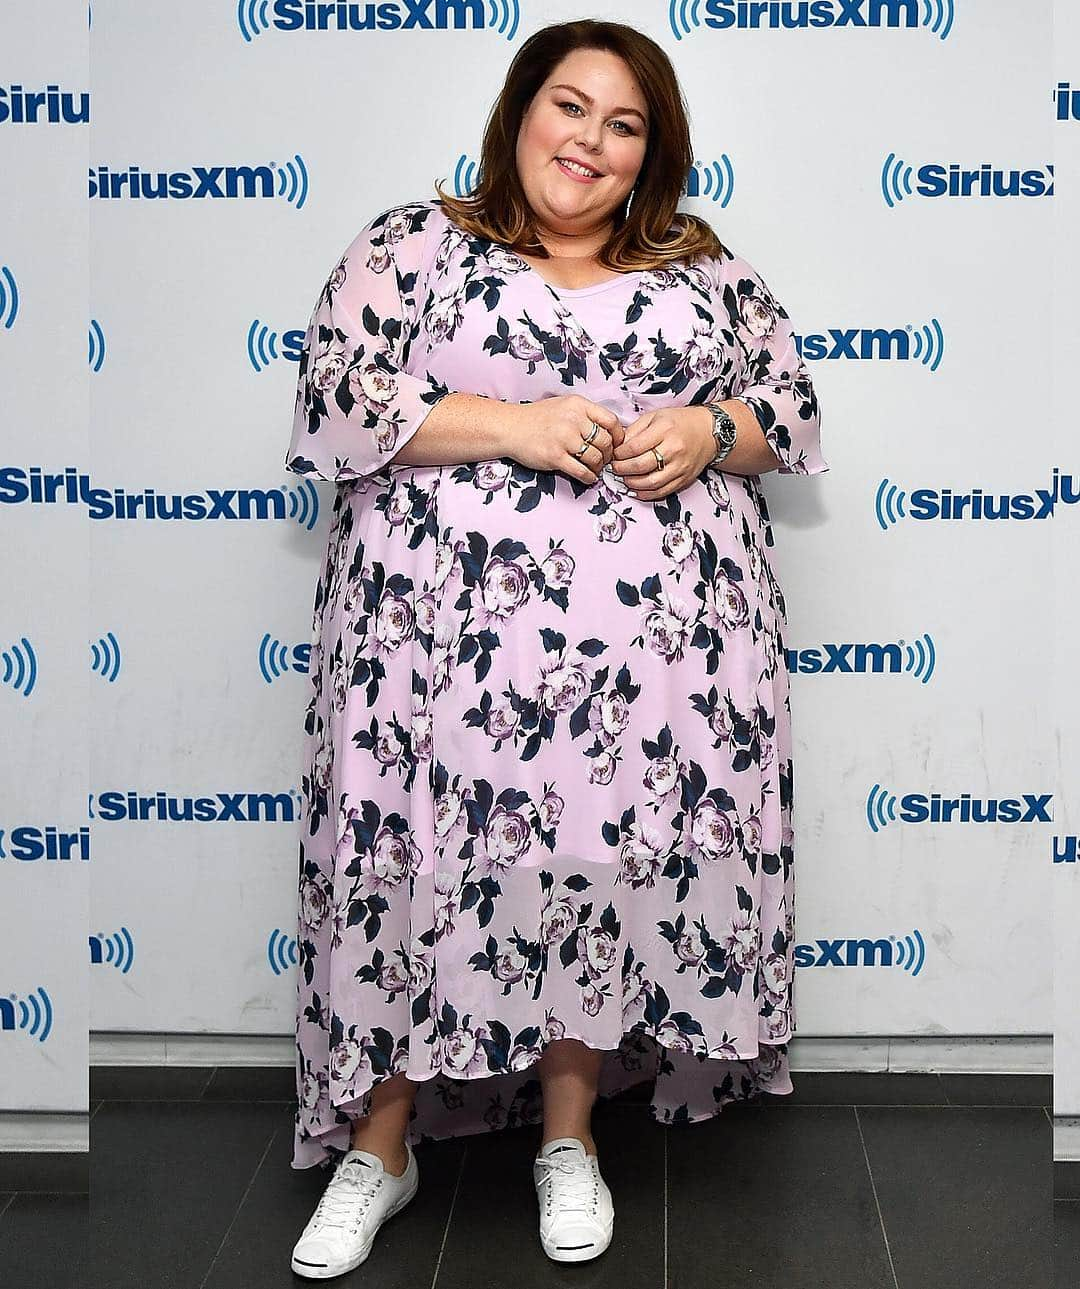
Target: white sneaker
(576,1212)
(358,1199)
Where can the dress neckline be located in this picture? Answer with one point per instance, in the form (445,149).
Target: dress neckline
(575,290)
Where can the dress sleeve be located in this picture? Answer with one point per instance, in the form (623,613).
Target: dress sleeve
(355,404)
(776,385)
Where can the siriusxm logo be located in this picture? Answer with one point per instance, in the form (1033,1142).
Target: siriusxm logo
(1066,102)
(262,182)
(256,16)
(32,1014)
(923,344)
(725,15)
(116,950)
(935,179)
(30,842)
(298,502)
(857,659)
(908,952)
(891,503)
(920,808)
(51,106)
(222,807)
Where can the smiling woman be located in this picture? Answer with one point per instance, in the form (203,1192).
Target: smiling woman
(548,845)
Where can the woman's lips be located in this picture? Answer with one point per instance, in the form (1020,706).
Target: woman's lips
(574,174)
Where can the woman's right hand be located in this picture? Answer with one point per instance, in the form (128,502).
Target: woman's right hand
(546,434)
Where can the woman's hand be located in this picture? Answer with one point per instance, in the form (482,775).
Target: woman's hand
(685,438)
(545,435)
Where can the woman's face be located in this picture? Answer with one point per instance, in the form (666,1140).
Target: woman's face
(591,110)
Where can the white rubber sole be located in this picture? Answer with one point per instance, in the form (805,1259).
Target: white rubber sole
(309,1271)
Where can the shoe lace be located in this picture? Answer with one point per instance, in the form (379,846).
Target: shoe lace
(572,1184)
(347,1195)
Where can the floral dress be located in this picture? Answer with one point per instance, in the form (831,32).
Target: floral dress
(547,776)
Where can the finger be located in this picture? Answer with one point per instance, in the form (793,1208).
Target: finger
(635,467)
(634,441)
(601,415)
(584,465)
(601,440)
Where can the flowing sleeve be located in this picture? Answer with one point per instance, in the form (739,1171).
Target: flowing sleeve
(356,405)
(776,385)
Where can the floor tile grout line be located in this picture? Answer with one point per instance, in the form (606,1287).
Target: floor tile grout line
(240,1205)
(877,1202)
(450,1214)
(33,1190)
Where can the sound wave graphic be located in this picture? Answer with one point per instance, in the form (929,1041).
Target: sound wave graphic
(889,504)
(262,345)
(251,17)
(35,1013)
(273,659)
(20,667)
(105,657)
(303,504)
(9,297)
(97,345)
(281,950)
(895,180)
(938,15)
(505,16)
(920,657)
(116,950)
(880,808)
(910,952)
(293,181)
(466,175)
(683,17)
(712,179)
(929,344)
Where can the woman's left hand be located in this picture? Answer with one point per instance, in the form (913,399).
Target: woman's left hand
(685,438)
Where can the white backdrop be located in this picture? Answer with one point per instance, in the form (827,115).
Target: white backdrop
(165,658)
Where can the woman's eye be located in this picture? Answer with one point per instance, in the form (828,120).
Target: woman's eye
(628,128)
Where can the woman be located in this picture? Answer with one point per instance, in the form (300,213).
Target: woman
(548,844)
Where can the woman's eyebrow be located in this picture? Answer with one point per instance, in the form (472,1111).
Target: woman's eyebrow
(619,111)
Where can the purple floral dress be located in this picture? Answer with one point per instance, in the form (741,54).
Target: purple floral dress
(547,776)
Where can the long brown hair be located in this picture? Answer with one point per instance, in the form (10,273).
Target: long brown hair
(654,232)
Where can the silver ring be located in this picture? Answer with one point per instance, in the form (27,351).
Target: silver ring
(586,442)
(659,458)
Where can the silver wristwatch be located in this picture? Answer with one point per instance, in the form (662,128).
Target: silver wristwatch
(723,432)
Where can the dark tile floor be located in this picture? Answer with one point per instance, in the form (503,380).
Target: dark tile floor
(854,1182)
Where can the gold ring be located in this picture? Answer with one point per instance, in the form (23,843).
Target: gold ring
(659,458)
